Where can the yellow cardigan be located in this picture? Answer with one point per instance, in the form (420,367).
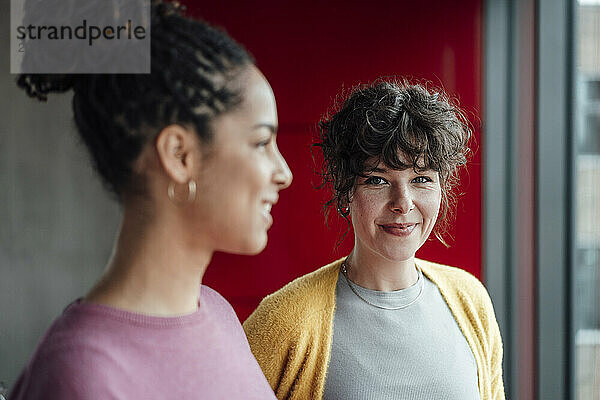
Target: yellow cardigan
(290,332)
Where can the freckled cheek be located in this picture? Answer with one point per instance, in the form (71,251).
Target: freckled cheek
(432,208)
(364,211)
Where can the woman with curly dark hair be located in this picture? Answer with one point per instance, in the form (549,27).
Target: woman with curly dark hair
(189,151)
(381,323)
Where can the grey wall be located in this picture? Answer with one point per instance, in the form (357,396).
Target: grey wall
(57,224)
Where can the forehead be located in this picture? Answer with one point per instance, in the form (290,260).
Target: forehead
(257,109)
(258,100)
(403,162)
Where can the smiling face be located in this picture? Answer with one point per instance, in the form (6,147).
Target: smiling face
(394,211)
(241,176)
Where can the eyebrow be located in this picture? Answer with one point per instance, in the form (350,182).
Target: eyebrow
(271,127)
(385,170)
(377,169)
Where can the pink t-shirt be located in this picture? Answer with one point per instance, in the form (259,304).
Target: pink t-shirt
(98,352)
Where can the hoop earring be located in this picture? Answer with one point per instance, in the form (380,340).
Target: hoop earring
(191,191)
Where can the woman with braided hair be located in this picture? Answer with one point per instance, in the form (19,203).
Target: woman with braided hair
(189,151)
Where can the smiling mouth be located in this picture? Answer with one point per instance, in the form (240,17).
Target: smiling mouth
(401,230)
(266,211)
(267,207)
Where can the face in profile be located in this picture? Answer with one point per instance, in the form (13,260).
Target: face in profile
(241,176)
(394,211)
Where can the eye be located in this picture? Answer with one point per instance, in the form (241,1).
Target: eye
(264,142)
(375,180)
(422,179)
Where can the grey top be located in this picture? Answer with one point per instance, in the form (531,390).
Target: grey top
(417,352)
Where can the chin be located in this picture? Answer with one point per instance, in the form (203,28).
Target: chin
(398,256)
(256,250)
(251,247)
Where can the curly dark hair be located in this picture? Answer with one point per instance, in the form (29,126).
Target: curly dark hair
(192,67)
(391,120)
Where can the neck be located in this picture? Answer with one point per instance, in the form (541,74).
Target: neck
(378,273)
(153,270)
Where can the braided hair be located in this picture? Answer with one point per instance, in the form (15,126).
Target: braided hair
(192,66)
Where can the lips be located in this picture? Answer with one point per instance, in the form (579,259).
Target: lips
(267,205)
(401,230)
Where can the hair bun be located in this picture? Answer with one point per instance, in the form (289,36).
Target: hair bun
(39,85)
(163,9)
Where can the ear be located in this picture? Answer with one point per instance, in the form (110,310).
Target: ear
(178,152)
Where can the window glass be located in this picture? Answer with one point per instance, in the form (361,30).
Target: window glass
(586,269)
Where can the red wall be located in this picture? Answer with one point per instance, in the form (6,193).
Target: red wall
(309,51)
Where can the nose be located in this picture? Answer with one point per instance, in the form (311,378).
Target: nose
(401,201)
(283,175)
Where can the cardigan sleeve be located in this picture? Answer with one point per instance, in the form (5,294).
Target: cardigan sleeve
(496,350)
(491,335)
(270,344)
(291,348)
(290,334)
(282,339)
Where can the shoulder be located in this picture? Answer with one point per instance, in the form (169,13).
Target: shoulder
(310,290)
(221,312)
(291,328)
(297,303)
(214,299)
(66,365)
(454,279)
(307,294)
(76,331)
(464,293)
(70,375)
